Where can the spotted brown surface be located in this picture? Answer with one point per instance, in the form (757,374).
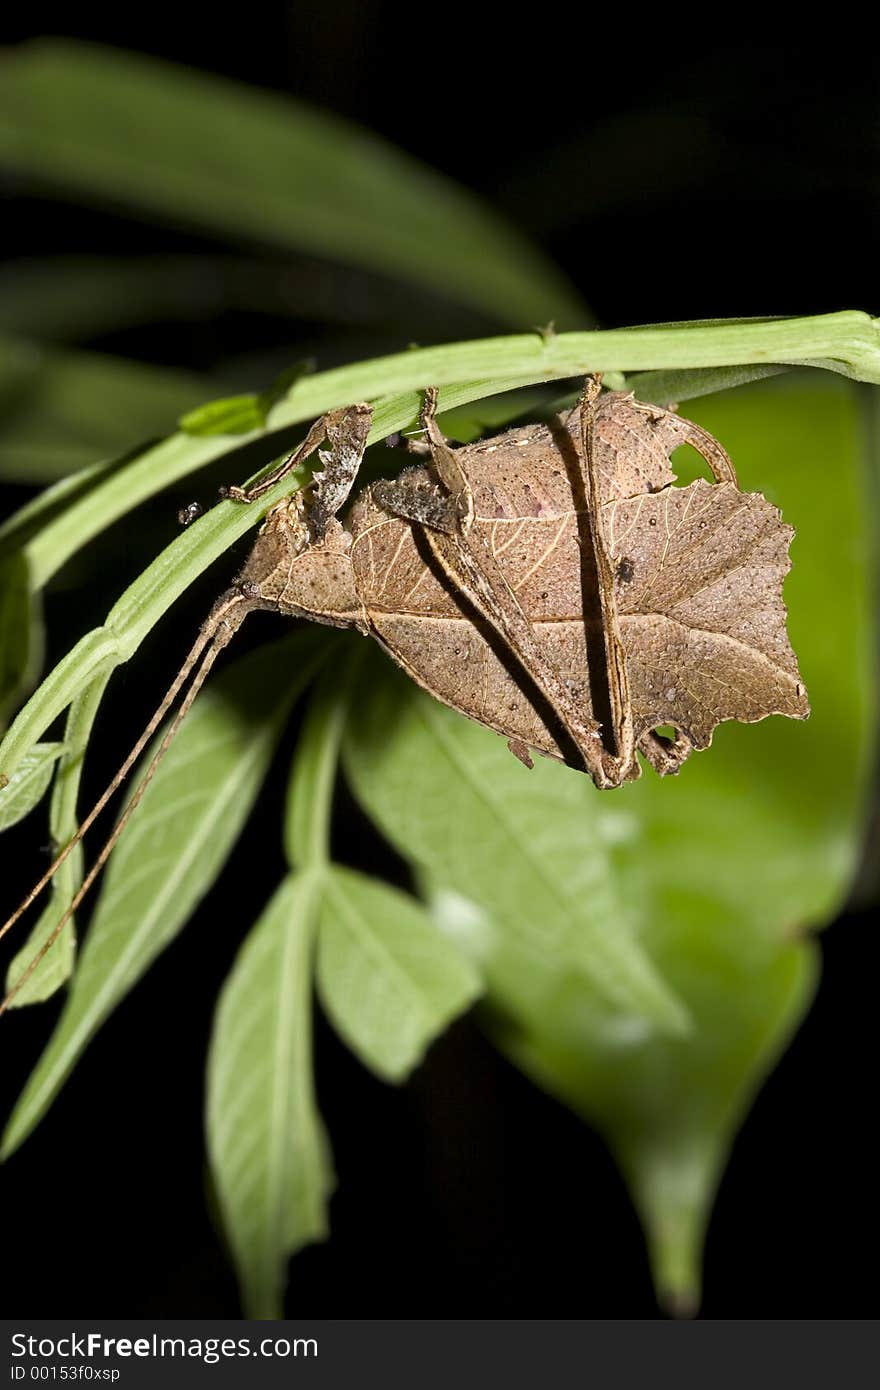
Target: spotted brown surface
(698,574)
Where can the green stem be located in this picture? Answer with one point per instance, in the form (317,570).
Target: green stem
(847,342)
(57,965)
(313,776)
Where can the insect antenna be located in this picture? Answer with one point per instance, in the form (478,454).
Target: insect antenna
(224,620)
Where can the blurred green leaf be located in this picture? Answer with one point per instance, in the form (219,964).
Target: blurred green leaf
(78,298)
(722,869)
(525,845)
(28,784)
(389,980)
(283,384)
(232,415)
(16,530)
(266,1145)
(200,151)
(174,848)
(21,634)
(668,1110)
(56,965)
(62,410)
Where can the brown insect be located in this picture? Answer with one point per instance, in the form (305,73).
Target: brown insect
(550,583)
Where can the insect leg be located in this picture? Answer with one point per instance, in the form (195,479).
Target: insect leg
(346,431)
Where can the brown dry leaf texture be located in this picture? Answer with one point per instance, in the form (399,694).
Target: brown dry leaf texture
(699,574)
(698,581)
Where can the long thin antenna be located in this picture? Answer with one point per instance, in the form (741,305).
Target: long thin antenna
(216,632)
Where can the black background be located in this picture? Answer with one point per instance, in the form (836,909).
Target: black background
(672,179)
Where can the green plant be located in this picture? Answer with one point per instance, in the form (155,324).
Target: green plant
(631,965)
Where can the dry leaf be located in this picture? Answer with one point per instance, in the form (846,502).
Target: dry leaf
(698,584)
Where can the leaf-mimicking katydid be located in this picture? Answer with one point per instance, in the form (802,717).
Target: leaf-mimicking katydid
(551,582)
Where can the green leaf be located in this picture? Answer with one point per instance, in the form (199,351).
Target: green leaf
(389,980)
(174,848)
(525,845)
(725,867)
(36,513)
(62,410)
(200,151)
(28,784)
(20,630)
(266,1145)
(232,415)
(668,1111)
(56,965)
(81,297)
(667,387)
(241,414)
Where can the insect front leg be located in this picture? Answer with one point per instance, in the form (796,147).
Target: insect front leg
(300,564)
(346,432)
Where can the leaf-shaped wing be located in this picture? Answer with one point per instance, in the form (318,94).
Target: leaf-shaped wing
(698,579)
(631,445)
(632,442)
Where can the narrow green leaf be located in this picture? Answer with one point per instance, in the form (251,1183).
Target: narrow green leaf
(82,297)
(28,784)
(61,410)
(232,415)
(201,151)
(241,414)
(526,845)
(266,1145)
(36,513)
(668,387)
(283,384)
(389,980)
(174,848)
(57,964)
(20,630)
(71,676)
